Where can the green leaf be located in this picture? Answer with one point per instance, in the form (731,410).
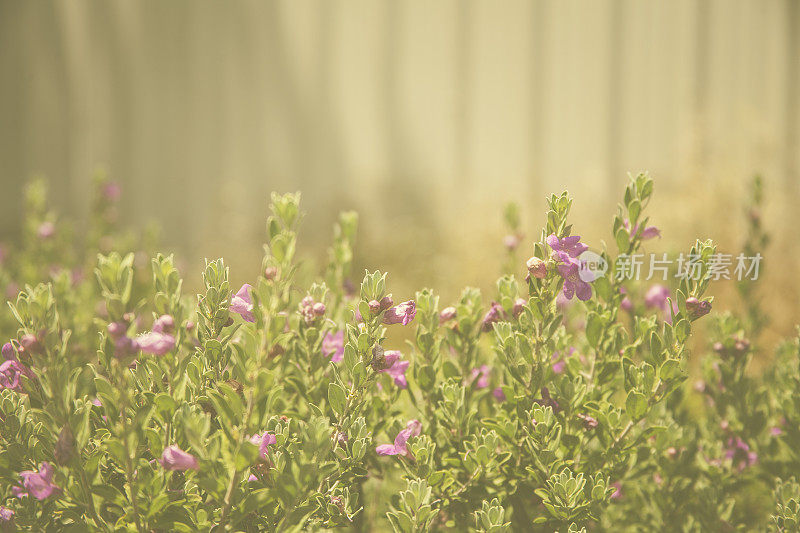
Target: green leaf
(594,327)
(636,405)
(336,397)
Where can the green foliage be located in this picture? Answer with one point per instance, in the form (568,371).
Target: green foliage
(286,405)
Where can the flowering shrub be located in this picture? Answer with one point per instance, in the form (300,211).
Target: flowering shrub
(561,404)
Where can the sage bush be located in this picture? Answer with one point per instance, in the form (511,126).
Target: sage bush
(561,402)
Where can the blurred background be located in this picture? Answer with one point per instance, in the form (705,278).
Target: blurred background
(426,117)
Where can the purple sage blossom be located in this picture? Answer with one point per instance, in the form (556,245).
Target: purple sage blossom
(174,458)
(8,352)
(112,191)
(155,343)
(568,245)
(402,313)
(511,241)
(498,394)
(656,297)
(570,270)
(38,484)
(396,367)
(649,232)
(242,303)
(263,442)
(333,346)
(625,304)
(480,376)
(495,314)
(413,429)
(6,514)
(164,324)
(46,230)
(739,453)
(11,371)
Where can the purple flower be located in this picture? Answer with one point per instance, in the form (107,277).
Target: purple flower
(10,373)
(589,422)
(413,429)
(570,270)
(402,313)
(263,441)
(117,329)
(480,376)
(242,303)
(164,324)
(495,314)
(46,230)
(155,343)
(125,346)
(625,304)
(656,297)
(333,346)
(739,453)
(499,395)
(775,431)
(617,490)
(6,514)
(396,367)
(174,458)
(112,191)
(511,241)
(697,308)
(558,363)
(649,232)
(38,484)
(8,352)
(568,245)
(519,305)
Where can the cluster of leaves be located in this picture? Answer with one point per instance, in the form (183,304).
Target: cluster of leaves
(269,408)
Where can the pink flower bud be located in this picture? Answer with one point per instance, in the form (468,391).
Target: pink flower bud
(697,308)
(29,342)
(46,230)
(271,273)
(448,313)
(374,306)
(319,308)
(116,329)
(519,305)
(537,268)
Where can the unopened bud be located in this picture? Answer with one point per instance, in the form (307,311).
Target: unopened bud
(697,308)
(448,313)
(537,268)
(319,308)
(29,342)
(374,306)
(271,273)
(519,305)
